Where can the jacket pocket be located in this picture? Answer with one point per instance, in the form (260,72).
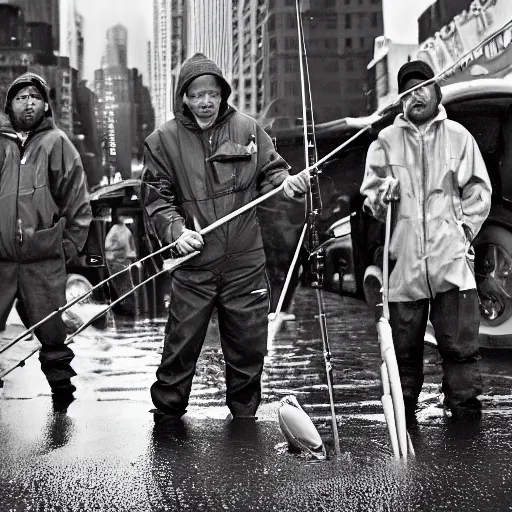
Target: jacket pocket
(44,243)
(228,163)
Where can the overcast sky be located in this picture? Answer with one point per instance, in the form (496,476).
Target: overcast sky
(400,25)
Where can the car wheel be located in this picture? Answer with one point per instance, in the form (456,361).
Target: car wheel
(76,286)
(493,272)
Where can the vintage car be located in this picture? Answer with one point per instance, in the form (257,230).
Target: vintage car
(353,239)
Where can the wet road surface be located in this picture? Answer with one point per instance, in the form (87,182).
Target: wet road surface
(107,452)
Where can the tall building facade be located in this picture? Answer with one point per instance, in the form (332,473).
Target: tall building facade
(123,111)
(248,26)
(339,36)
(210,31)
(231,33)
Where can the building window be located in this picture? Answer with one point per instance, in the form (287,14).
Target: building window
(330,43)
(375,19)
(290,65)
(331,23)
(272,22)
(290,20)
(360,20)
(272,44)
(348,21)
(348,42)
(289,3)
(332,66)
(290,43)
(350,65)
(361,42)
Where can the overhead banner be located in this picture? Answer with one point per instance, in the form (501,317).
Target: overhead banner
(475,44)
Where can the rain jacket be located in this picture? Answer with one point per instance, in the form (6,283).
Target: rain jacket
(194,177)
(43,192)
(444,185)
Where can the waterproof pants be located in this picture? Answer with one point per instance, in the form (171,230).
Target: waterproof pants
(455,317)
(40,288)
(237,287)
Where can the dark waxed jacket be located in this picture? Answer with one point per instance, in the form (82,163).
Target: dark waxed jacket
(43,194)
(194,177)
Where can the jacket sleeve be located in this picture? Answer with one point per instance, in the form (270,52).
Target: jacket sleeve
(159,199)
(69,190)
(375,173)
(272,168)
(475,186)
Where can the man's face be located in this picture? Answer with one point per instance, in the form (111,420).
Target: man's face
(28,108)
(203,98)
(420,105)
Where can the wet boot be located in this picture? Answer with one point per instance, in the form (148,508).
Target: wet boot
(62,394)
(411,404)
(469,410)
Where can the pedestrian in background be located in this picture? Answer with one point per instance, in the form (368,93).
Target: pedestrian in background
(199,167)
(432,171)
(44,223)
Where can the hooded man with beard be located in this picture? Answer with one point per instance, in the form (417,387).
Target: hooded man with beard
(44,223)
(207,162)
(432,171)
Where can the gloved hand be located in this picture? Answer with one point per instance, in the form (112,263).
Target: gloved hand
(389,190)
(189,241)
(297,185)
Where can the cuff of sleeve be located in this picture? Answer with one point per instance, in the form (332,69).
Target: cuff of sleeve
(174,231)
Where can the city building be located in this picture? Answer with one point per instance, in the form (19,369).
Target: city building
(123,109)
(248,27)
(339,38)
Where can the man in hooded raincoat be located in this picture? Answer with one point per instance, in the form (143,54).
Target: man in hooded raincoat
(433,169)
(199,167)
(44,223)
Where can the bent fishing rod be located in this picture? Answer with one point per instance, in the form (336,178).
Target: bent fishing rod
(208,229)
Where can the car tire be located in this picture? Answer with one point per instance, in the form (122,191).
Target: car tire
(82,284)
(493,255)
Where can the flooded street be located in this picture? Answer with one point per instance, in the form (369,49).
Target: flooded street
(109,453)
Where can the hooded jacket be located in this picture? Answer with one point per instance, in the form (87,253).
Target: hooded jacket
(43,192)
(444,186)
(194,177)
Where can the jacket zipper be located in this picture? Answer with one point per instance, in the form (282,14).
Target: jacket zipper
(425,224)
(18,236)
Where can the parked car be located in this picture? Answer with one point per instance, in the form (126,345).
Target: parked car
(354,240)
(93,266)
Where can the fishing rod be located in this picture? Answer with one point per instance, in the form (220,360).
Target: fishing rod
(314,208)
(173,265)
(208,229)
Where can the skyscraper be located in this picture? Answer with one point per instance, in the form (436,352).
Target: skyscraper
(116,44)
(112,85)
(210,31)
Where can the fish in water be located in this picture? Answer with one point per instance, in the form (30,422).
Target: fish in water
(298,429)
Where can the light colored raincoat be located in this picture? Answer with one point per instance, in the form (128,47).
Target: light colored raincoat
(443,185)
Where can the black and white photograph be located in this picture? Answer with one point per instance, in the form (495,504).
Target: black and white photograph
(255,255)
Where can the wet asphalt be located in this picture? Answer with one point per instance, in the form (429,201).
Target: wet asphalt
(108,452)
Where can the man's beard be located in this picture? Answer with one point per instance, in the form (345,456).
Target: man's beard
(28,120)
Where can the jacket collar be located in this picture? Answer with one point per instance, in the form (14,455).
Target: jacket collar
(187,119)
(402,122)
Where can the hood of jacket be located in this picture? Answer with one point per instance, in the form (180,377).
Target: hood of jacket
(199,65)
